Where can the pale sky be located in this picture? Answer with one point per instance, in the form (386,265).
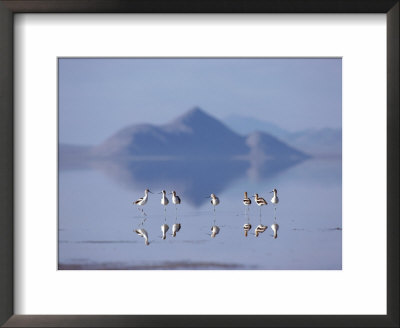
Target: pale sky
(97,97)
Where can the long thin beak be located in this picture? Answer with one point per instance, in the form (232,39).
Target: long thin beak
(271,192)
(150,192)
(207,197)
(160,192)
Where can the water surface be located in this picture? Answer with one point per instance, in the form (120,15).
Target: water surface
(97,217)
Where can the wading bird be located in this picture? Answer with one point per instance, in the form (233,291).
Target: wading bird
(164,201)
(143,200)
(176,201)
(274,200)
(246,203)
(246,200)
(214,202)
(260,202)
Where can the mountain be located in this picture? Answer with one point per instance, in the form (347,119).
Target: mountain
(194,135)
(316,142)
(245,125)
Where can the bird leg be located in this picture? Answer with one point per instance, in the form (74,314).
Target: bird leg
(141,210)
(142,223)
(214,214)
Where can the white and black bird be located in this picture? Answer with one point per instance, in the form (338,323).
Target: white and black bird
(143,200)
(214,231)
(164,199)
(274,200)
(176,200)
(275,228)
(143,233)
(260,202)
(246,203)
(246,200)
(260,229)
(214,202)
(164,229)
(246,228)
(175,228)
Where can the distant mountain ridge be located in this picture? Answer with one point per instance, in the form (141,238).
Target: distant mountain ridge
(246,125)
(313,141)
(318,142)
(195,134)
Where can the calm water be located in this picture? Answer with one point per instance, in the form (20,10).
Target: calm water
(97,217)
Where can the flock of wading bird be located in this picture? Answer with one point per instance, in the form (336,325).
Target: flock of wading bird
(214,202)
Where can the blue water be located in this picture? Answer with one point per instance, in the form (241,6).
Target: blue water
(97,217)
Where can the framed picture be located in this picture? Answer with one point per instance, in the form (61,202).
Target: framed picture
(193,167)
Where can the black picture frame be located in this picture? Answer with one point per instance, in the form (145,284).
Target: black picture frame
(10,7)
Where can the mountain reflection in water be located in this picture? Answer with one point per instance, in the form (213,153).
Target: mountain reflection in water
(193,178)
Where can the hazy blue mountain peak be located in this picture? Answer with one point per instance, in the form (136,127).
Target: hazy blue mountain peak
(196,116)
(194,134)
(322,141)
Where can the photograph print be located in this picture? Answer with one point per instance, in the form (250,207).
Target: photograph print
(199,164)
